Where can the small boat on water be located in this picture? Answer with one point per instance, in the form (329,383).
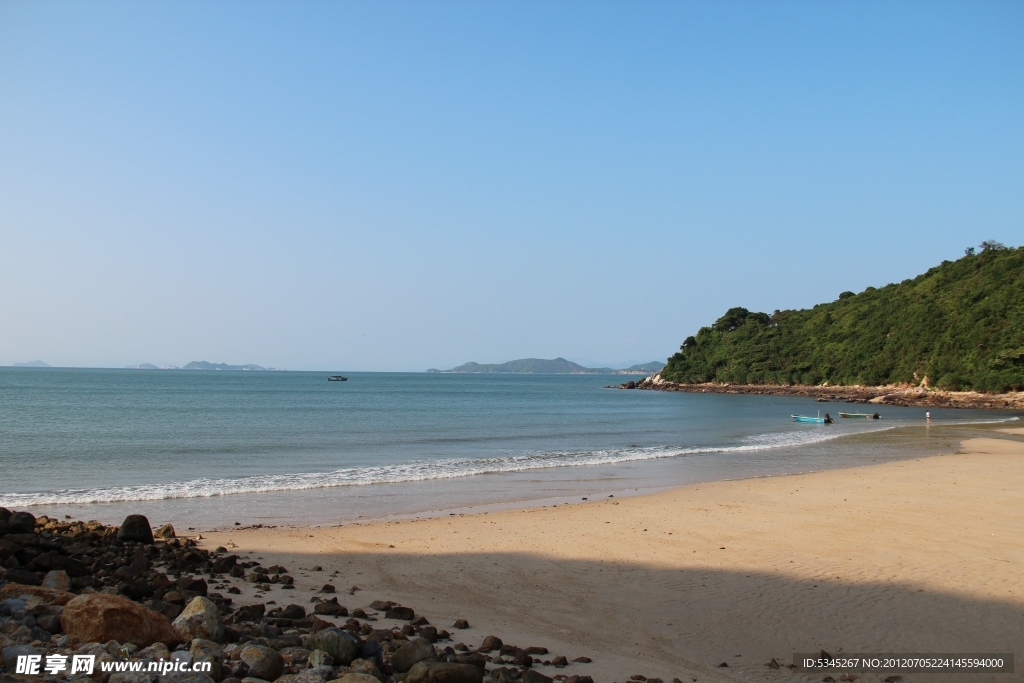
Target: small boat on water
(827,420)
(865,416)
(337,378)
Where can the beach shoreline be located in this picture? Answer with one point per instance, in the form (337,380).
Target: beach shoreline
(905,396)
(907,556)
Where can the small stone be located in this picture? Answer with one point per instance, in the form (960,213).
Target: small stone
(164,533)
(357,678)
(560,662)
(461,624)
(337,643)
(320,658)
(490,643)
(416,650)
(583,660)
(262,662)
(536,650)
(401,613)
(773,664)
(327,588)
(57,580)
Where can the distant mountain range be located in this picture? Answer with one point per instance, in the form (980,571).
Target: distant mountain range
(33,364)
(557,366)
(203,365)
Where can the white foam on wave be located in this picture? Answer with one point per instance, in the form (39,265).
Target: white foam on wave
(420,470)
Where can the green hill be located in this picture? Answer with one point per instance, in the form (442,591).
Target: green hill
(961,325)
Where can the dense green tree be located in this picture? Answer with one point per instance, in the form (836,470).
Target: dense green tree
(961,325)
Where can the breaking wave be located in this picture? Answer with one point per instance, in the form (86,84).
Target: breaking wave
(419,470)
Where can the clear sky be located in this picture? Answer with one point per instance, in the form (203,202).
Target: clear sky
(404,185)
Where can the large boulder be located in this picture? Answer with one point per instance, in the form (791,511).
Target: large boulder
(416,650)
(22,523)
(444,672)
(262,662)
(337,643)
(102,617)
(5,518)
(136,528)
(200,619)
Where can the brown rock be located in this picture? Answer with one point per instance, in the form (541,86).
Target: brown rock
(101,617)
(48,595)
(490,643)
(401,613)
(445,672)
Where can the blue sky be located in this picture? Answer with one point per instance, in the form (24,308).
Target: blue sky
(399,185)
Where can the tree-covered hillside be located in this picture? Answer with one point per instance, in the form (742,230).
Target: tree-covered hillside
(961,325)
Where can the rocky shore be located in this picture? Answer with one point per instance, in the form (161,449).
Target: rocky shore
(135,594)
(887,395)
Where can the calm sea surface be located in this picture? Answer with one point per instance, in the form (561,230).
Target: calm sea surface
(210,448)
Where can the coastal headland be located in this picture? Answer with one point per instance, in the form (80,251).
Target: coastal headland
(708,582)
(893,395)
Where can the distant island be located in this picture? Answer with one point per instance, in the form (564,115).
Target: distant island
(557,366)
(33,364)
(204,365)
(957,327)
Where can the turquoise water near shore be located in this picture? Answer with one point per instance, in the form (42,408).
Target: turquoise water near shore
(211,448)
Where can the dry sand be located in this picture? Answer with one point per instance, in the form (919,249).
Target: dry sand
(915,556)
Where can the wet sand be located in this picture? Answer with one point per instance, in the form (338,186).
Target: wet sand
(918,555)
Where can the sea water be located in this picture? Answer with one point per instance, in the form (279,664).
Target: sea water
(210,448)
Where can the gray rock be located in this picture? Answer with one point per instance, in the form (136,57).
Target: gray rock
(136,528)
(324,673)
(365,666)
(165,533)
(416,650)
(132,677)
(337,643)
(208,651)
(57,580)
(10,654)
(156,651)
(262,662)
(444,672)
(200,619)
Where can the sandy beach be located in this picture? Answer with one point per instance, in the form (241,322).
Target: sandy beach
(913,556)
